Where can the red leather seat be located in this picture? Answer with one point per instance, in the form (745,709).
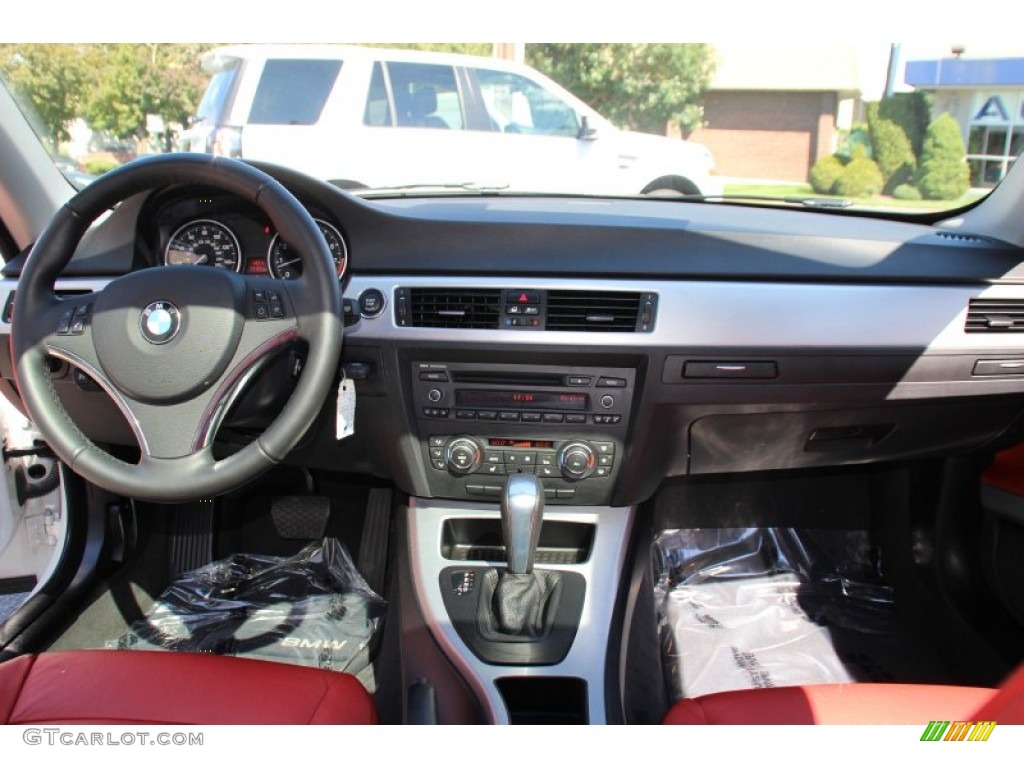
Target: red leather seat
(153,687)
(854,704)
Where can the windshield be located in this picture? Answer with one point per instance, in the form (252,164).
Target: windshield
(904,128)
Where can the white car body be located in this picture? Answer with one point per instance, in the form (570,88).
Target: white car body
(483,130)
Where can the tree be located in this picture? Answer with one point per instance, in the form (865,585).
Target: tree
(943,173)
(50,78)
(642,86)
(139,79)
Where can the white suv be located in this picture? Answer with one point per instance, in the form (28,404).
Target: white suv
(366,117)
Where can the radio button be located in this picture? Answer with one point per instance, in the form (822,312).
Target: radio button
(487,415)
(603,448)
(438,441)
(554,418)
(437,453)
(492,469)
(531,416)
(546,460)
(607,401)
(493,457)
(575,418)
(579,381)
(602,472)
(605,460)
(433,375)
(547,472)
(611,381)
(509,415)
(465,414)
(438,464)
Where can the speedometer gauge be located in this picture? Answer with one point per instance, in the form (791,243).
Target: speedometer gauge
(204,242)
(286,264)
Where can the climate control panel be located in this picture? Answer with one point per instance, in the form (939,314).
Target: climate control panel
(569,469)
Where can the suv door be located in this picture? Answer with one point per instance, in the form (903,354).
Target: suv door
(536,139)
(415,128)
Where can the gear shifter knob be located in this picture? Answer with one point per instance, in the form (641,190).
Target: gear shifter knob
(522,510)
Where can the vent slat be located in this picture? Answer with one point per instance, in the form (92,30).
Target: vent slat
(592,311)
(995,316)
(454,308)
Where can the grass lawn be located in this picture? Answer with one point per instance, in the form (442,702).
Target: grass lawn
(879,201)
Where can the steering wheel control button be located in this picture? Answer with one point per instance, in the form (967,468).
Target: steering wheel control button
(267,305)
(160,322)
(371,303)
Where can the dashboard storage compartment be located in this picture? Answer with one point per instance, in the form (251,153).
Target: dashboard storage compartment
(561,543)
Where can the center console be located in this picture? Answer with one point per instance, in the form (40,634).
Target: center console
(480,423)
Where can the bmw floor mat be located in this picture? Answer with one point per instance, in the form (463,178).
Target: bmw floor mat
(313,609)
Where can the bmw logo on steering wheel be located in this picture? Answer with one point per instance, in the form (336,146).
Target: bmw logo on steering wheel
(160,322)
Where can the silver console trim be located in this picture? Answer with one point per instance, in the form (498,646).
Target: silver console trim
(602,572)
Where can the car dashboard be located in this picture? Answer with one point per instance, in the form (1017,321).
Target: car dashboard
(604,344)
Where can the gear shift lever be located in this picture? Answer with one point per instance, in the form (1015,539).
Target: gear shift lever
(522,510)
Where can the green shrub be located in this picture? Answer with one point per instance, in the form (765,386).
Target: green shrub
(911,112)
(860,178)
(892,151)
(856,143)
(943,173)
(824,173)
(906,192)
(100,165)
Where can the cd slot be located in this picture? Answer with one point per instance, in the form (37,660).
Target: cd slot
(509,378)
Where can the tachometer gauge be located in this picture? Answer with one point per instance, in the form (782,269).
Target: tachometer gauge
(204,242)
(286,264)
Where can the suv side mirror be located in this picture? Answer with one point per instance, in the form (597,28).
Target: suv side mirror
(586,133)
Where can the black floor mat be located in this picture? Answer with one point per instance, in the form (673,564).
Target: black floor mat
(245,524)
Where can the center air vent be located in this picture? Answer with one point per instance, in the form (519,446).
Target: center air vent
(449,307)
(995,316)
(609,311)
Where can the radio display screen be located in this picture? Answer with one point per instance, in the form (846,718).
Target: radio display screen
(561,401)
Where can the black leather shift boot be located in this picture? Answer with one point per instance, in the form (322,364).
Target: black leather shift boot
(518,607)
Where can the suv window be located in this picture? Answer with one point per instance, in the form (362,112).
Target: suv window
(293,91)
(426,95)
(516,104)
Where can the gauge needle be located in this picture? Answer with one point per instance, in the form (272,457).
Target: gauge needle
(201,260)
(284,264)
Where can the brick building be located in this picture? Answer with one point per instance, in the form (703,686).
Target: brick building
(772,110)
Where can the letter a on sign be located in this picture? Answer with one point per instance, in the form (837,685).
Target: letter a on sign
(993,107)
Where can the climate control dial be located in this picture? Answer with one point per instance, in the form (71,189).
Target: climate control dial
(577,460)
(463,455)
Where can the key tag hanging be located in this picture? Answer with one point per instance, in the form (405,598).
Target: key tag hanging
(345,423)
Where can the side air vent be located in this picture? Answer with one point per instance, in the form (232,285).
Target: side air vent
(995,316)
(600,311)
(449,307)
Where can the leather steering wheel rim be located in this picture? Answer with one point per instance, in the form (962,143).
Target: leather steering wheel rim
(176,463)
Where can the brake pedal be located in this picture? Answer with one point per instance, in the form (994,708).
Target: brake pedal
(300,517)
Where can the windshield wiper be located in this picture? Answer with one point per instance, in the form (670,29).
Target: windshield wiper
(806,202)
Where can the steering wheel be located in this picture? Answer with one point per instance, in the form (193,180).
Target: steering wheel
(174,346)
